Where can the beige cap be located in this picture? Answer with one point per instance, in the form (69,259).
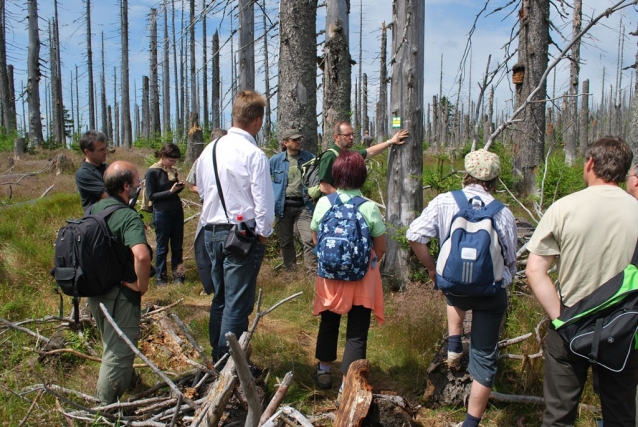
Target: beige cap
(482,165)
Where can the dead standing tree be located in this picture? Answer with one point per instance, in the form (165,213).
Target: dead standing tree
(89,64)
(297,96)
(154,99)
(529,145)
(405,164)
(633,126)
(336,65)
(33,82)
(382,116)
(571,133)
(246,45)
(166,77)
(8,105)
(127,131)
(57,104)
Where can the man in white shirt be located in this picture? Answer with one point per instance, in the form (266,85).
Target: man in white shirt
(246,188)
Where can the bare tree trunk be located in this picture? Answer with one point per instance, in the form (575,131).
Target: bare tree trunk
(359,93)
(297,95)
(205,65)
(571,132)
(267,123)
(117,141)
(178,111)
(127,131)
(336,65)
(193,82)
(155,123)
(246,45)
(382,114)
(77,102)
(146,131)
(584,120)
(89,64)
(109,119)
(105,125)
(356,125)
(216,82)
(183,82)
(166,77)
(532,54)
(6,98)
(632,137)
(364,104)
(405,164)
(56,122)
(73,119)
(33,79)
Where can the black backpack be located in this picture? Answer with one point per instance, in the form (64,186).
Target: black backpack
(310,174)
(87,260)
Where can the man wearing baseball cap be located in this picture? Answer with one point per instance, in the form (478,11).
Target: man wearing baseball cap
(291,207)
(481,173)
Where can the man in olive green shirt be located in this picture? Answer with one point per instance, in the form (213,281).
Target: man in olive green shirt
(344,139)
(123,302)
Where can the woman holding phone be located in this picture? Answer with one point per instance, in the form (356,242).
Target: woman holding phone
(162,189)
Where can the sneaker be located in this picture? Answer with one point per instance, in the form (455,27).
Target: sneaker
(454,358)
(323,378)
(339,399)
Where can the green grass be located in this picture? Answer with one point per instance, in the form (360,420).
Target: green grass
(399,351)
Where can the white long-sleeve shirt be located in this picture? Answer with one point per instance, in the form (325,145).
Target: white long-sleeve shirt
(244,175)
(436,219)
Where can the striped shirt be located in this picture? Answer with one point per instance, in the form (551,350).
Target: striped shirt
(436,219)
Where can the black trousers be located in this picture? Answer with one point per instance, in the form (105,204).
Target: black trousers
(356,336)
(564,380)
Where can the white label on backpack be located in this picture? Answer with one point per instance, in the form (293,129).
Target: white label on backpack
(469,254)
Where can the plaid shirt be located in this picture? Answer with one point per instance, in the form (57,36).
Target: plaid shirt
(436,219)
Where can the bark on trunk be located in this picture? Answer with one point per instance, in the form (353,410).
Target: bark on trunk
(146,131)
(267,124)
(584,120)
(166,77)
(178,113)
(105,125)
(6,97)
(571,133)
(297,95)
(246,45)
(336,65)
(89,63)
(155,128)
(193,79)
(364,104)
(33,79)
(216,82)
(382,114)
(529,144)
(127,131)
(405,163)
(204,66)
(633,127)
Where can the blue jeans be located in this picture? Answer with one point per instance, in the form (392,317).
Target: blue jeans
(169,226)
(235,281)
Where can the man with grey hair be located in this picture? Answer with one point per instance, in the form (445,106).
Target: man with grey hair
(89,177)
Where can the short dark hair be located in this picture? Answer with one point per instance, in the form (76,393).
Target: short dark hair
(169,150)
(612,158)
(349,171)
(88,139)
(114,180)
(489,186)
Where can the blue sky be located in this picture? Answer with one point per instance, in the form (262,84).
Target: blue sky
(446,27)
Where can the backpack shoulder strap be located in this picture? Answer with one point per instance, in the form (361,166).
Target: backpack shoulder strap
(357,201)
(634,259)
(332,197)
(460,198)
(333,150)
(493,207)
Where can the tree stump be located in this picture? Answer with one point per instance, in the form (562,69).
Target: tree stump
(447,387)
(356,397)
(19,147)
(195,141)
(63,164)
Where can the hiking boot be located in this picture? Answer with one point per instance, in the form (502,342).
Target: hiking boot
(323,378)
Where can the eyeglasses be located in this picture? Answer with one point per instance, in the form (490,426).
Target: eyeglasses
(631,174)
(347,135)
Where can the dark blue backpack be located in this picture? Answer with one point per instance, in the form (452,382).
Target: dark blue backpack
(344,241)
(470,261)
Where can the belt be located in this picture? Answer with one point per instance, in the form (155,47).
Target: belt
(294,199)
(218,227)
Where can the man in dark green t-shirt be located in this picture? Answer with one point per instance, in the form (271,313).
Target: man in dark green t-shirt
(344,139)
(123,302)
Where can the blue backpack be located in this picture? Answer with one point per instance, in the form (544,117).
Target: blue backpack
(470,261)
(344,241)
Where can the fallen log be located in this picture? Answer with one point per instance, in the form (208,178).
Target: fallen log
(356,396)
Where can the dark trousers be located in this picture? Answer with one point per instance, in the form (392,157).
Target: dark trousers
(356,336)
(169,227)
(564,380)
(235,280)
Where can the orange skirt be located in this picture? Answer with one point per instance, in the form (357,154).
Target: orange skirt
(339,296)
